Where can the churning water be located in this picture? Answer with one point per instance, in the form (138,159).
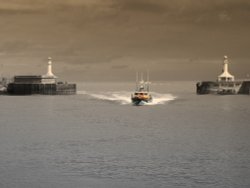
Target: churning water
(98,139)
(124,97)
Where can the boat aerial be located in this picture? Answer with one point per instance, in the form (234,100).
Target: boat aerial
(141,94)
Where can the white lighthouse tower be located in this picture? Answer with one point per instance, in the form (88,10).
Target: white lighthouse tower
(49,72)
(49,77)
(225,76)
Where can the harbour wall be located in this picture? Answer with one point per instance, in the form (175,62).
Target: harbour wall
(43,89)
(213,87)
(245,88)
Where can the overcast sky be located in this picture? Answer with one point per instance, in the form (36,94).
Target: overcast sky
(112,39)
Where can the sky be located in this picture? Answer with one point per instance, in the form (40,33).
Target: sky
(109,40)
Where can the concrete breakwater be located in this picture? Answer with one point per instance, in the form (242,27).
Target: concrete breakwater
(43,89)
(213,87)
(39,84)
(224,85)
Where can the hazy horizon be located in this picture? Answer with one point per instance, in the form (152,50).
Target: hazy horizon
(107,40)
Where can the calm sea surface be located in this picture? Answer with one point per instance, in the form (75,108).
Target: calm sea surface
(98,139)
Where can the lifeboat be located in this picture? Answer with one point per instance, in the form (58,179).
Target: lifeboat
(141,94)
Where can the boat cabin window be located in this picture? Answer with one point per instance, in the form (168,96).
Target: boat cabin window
(141,93)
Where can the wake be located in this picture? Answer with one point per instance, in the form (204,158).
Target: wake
(124,97)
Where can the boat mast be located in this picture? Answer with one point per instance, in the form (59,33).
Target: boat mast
(142,83)
(136,84)
(147,80)
(141,76)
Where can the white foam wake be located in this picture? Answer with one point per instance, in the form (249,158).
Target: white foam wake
(114,96)
(160,98)
(81,92)
(124,97)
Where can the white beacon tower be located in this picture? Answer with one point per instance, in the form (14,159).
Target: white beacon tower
(225,76)
(49,72)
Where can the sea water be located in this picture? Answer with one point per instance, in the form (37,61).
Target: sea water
(98,139)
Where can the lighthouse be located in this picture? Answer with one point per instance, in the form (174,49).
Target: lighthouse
(49,72)
(40,84)
(225,76)
(224,85)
